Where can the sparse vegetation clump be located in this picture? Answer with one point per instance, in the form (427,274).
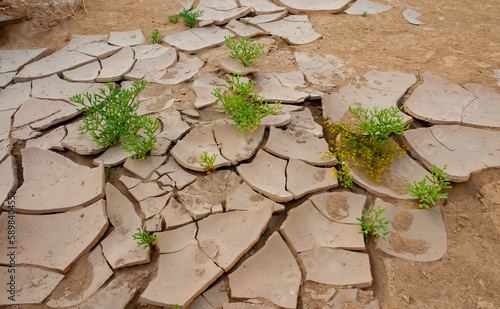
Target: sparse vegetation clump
(190,17)
(208,161)
(245,106)
(144,238)
(173,18)
(244,51)
(155,37)
(371,224)
(367,144)
(431,192)
(112,116)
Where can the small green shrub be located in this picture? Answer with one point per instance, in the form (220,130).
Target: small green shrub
(430,193)
(144,238)
(208,162)
(244,51)
(372,224)
(343,176)
(245,21)
(141,143)
(155,37)
(368,144)
(246,107)
(173,18)
(112,116)
(190,17)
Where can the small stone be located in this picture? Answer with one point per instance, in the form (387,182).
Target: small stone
(116,65)
(188,150)
(306,228)
(197,39)
(303,179)
(242,29)
(257,276)
(175,215)
(236,147)
(78,230)
(126,38)
(294,29)
(182,71)
(119,248)
(414,235)
(177,239)
(266,175)
(190,269)
(226,237)
(234,66)
(143,168)
(297,6)
(412,17)
(300,145)
(33,285)
(59,191)
(337,267)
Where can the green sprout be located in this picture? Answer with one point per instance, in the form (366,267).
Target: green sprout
(173,18)
(208,161)
(144,238)
(371,225)
(245,21)
(190,17)
(244,51)
(429,193)
(365,13)
(342,174)
(155,37)
(112,116)
(245,106)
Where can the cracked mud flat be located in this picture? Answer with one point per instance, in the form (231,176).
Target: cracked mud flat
(362,44)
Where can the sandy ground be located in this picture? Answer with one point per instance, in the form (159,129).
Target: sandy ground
(463,48)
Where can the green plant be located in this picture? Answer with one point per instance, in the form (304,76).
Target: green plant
(245,21)
(342,174)
(244,51)
(140,146)
(208,162)
(190,17)
(368,144)
(173,18)
(430,193)
(109,170)
(155,37)
(365,13)
(372,224)
(245,106)
(112,116)
(144,238)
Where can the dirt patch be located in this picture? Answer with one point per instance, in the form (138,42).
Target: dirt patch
(407,245)
(402,221)
(76,281)
(337,207)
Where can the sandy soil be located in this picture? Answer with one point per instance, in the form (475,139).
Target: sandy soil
(463,48)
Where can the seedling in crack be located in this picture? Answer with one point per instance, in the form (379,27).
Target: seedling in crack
(155,37)
(372,224)
(190,17)
(365,13)
(244,51)
(245,21)
(145,238)
(430,193)
(208,161)
(173,18)
(245,106)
